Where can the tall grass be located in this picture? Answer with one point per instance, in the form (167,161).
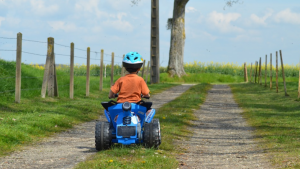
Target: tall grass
(275,118)
(35,118)
(235,69)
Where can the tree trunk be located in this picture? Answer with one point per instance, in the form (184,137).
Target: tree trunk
(175,66)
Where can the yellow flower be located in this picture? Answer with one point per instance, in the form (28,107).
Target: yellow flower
(164,117)
(143,162)
(110,161)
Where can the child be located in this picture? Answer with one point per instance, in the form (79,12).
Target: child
(131,86)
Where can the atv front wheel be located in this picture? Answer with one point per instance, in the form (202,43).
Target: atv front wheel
(103,136)
(152,137)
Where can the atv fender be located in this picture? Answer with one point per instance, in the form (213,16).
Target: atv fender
(107,115)
(150,116)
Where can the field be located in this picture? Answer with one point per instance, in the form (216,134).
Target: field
(274,116)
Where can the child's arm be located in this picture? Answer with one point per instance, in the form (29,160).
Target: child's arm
(111,94)
(147,95)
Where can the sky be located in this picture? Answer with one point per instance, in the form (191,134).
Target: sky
(242,33)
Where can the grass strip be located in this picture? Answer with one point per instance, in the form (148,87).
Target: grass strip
(35,118)
(201,78)
(275,118)
(174,117)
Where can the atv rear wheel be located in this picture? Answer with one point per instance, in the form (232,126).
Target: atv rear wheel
(103,136)
(152,137)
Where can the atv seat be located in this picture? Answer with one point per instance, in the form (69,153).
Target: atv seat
(112,102)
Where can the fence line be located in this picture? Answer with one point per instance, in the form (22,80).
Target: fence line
(18,78)
(271,73)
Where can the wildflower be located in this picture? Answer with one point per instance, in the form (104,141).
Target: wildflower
(110,161)
(164,117)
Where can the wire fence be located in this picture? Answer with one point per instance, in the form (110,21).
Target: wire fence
(63,68)
(32,78)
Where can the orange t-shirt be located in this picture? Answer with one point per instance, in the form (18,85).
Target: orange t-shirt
(130,88)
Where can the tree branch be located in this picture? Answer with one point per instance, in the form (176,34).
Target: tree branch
(230,3)
(135,2)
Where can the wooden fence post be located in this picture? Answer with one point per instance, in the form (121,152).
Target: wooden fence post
(251,73)
(143,71)
(112,69)
(277,71)
(72,71)
(50,78)
(271,69)
(52,81)
(283,76)
(259,79)
(46,71)
(123,69)
(266,65)
(256,66)
(88,72)
(245,73)
(18,68)
(101,71)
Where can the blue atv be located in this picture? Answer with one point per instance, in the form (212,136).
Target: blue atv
(127,123)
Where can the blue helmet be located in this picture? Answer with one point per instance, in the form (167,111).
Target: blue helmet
(133,60)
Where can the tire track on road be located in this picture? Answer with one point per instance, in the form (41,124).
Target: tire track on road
(222,138)
(66,149)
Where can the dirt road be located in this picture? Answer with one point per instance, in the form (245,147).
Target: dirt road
(66,149)
(222,138)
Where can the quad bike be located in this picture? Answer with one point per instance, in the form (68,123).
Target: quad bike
(127,123)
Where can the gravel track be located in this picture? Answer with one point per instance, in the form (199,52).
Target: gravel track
(222,138)
(66,149)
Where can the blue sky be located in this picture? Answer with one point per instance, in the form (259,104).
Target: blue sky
(242,33)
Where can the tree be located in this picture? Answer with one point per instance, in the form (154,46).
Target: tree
(177,42)
(175,66)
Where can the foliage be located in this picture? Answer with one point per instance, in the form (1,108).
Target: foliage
(275,118)
(235,69)
(174,117)
(201,78)
(35,118)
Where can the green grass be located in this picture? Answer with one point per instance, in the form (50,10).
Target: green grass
(275,118)
(174,118)
(35,118)
(201,78)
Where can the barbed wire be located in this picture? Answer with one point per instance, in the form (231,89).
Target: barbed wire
(33,53)
(32,89)
(33,41)
(8,50)
(7,91)
(62,45)
(7,38)
(23,77)
(9,77)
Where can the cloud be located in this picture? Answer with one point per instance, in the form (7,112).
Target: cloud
(249,36)
(40,8)
(119,4)
(288,17)
(199,34)
(12,21)
(190,9)
(119,24)
(60,25)
(1,19)
(223,21)
(261,20)
(90,7)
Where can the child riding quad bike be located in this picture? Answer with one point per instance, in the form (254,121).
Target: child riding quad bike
(128,122)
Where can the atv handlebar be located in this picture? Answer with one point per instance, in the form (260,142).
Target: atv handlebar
(117,95)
